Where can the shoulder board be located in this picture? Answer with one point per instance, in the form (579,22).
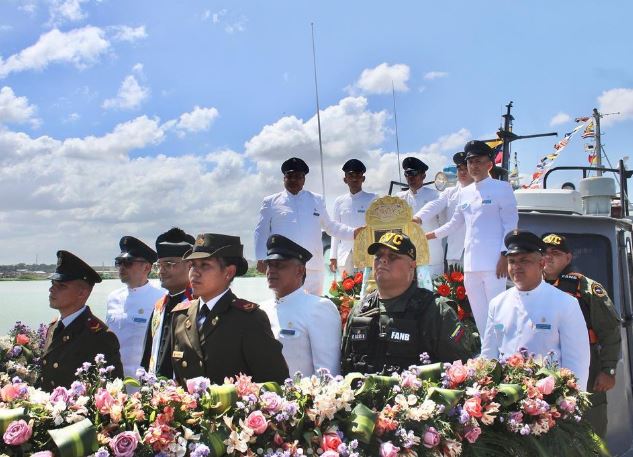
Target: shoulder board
(94,324)
(244,305)
(182,306)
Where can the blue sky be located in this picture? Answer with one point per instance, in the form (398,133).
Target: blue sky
(130,117)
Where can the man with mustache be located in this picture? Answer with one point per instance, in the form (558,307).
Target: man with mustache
(396,323)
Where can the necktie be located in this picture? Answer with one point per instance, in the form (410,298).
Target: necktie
(202,318)
(58,330)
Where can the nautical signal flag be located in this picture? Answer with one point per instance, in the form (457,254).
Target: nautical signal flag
(589,131)
(593,159)
(497,147)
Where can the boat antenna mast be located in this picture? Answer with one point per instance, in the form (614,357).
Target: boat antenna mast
(318,109)
(395,120)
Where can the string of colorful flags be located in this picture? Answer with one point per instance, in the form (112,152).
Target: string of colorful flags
(546,162)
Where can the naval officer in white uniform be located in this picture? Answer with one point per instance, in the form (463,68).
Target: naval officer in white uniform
(308,327)
(129,308)
(417,196)
(534,314)
(299,215)
(488,210)
(349,209)
(444,206)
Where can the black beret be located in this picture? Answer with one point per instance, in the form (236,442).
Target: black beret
(519,241)
(133,248)
(173,243)
(294,164)
(476,148)
(459,158)
(413,163)
(279,248)
(70,267)
(354,165)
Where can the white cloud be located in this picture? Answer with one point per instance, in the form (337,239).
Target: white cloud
(138,68)
(81,47)
(239,25)
(560,118)
(73,117)
(83,194)
(431,75)
(130,96)
(6,28)
(16,110)
(379,80)
(452,143)
(616,101)
(127,33)
(199,119)
(66,10)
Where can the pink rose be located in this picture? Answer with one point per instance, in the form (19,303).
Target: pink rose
(532,407)
(18,432)
(103,401)
(457,373)
(388,450)
(409,380)
(124,444)
(257,422)
(271,402)
(473,407)
(431,438)
(22,339)
(43,454)
(59,394)
(10,392)
(330,441)
(472,433)
(546,385)
(330,453)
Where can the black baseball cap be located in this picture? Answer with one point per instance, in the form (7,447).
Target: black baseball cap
(397,242)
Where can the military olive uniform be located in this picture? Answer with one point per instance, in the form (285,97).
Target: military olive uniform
(603,324)
(235,338)
(388,335)
(65,351)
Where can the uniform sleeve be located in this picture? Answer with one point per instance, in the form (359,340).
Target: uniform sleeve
(453,340)
(434,207)
(262,351)
(262,229)
(332,227)
(109,347)
(574,341)
(489,345)
(456,222)
(605,322)
(325,337)
(147,345)
(508,213)
(336,215)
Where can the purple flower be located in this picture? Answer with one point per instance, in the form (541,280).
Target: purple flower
(86,366)
(59,394)
(200,450)
(99,359)
(102,452)
(78,388)
(18,432)
(124,444)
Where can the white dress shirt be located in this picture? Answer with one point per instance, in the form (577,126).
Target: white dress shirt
(209,304)
(309,328)
(488,209)
(444,208)
(541,320)
(71,317)
(299,217)
(127,314)
(349,209)
(416,201)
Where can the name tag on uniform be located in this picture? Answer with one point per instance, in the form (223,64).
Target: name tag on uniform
(177,354)
(486,202)
(287,331)
(141,320)
(544,326)
(315,214)
(464,206)
(361,210)
(359,335)
(400,336)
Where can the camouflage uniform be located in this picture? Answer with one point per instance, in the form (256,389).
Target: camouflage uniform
(387,335)
(603,324)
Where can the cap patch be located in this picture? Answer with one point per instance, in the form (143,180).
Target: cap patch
(553,239)
(200,240)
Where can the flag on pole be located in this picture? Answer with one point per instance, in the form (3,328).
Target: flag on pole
(589,131)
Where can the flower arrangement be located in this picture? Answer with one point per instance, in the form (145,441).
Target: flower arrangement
(21,350)
(345,292)
(516,406)
(451,285)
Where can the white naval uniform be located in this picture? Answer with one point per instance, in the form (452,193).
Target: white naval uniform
(299,217)
(349,209)
(309,328)
(416,201)
(444,207)
(127,314)
(541,320)
(488,210)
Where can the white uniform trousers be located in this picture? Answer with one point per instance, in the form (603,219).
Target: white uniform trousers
(314,282)
(481,287)
(347,267)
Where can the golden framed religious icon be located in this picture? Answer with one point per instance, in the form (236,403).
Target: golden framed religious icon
(389,214)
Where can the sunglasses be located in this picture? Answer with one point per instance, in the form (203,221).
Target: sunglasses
(126,262)
(411,173)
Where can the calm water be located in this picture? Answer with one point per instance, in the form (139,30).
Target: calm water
(27,301)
